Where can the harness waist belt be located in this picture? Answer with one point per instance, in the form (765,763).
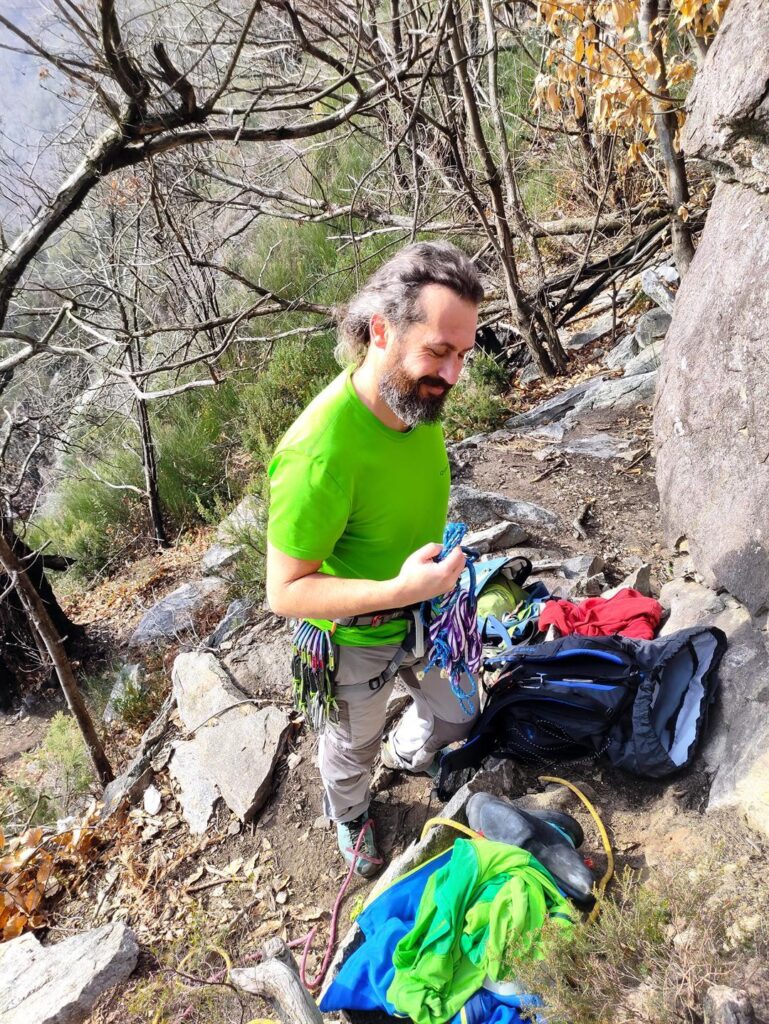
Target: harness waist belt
(376,618)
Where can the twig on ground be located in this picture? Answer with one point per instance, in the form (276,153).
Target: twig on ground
(560,464)
(636,461)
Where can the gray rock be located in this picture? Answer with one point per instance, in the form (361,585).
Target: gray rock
(658,289)
(130,786)
(724,1005)
(60,984)
(639,579)
(651,327)
(582,338)
(594,446)
(622,353)
(234,619)
(130,679)
(175,614)
(548,432)
(711,418)
(736,751)
(621,394)
(591,586)
(529,374)
(153,800)
(647,361)
(260,662)
(728,122)
(582,565)
(477,508)
(493,538)
(239,747)
(247,515)
(553,409)
(218,557)
(712,414)
(197,793)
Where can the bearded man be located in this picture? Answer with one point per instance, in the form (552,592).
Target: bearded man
(359,489)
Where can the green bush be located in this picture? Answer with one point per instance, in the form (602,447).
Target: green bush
(56,775)
(294,375)
(473,409)
(99,525)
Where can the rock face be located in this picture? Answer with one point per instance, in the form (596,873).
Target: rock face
(60,984)
(736,750)
(712,408)
(175,613)
(239,746)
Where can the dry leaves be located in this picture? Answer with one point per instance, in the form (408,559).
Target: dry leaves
(32,869)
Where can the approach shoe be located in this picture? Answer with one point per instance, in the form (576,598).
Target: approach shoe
(348,833)
(550,836)
(391,760)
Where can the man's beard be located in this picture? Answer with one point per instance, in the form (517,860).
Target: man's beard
(402,394)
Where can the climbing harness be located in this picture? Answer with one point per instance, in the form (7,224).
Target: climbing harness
(452,623)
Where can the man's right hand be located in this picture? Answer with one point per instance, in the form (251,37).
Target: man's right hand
(421,578)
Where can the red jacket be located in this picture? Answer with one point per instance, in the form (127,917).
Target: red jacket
(627,613)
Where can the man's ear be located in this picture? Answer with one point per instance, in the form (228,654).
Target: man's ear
(380,331)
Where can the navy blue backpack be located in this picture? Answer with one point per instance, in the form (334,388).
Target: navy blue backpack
(643,704)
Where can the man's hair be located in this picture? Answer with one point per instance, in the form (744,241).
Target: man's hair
(393,292)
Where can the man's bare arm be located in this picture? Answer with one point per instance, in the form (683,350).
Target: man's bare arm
(295,588)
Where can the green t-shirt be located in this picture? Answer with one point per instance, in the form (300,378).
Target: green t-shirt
(347,490)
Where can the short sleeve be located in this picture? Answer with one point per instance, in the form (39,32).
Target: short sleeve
(308,508)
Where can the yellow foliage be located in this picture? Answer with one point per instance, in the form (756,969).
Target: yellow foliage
(595,49)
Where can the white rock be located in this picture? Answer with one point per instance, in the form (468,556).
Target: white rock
(198,794)
(153,801)
(239,746)
(60,984)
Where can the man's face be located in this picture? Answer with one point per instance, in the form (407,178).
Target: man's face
(424,362)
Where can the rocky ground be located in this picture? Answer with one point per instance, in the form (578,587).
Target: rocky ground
(217,841)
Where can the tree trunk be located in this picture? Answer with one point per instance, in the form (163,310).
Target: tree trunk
(652,19)
(42,625)
(520,307)
(149,463)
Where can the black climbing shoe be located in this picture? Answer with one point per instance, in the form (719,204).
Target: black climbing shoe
(547,835)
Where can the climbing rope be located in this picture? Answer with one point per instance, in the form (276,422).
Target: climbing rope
(452,623)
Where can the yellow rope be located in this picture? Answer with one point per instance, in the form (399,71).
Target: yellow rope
(432,822)
(604,838)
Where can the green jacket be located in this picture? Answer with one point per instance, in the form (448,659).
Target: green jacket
(470,914)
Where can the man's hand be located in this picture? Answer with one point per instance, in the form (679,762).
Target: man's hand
(421,578)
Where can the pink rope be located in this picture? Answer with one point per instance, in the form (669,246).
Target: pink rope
(315,983)
(307,940)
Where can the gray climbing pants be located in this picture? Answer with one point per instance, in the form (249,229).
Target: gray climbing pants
(349,746)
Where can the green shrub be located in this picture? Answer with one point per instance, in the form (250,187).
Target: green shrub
(485,370)
(99,525)
(473,408)
(295,374)
(62,767)
(654,949)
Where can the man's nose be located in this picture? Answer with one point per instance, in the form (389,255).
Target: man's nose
(450,370)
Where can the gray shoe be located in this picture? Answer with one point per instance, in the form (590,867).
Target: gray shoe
(367,862)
